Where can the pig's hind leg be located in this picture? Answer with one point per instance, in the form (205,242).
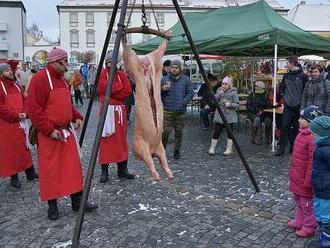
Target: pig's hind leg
(160,153)
(144,154)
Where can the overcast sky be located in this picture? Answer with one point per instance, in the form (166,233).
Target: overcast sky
(44,13)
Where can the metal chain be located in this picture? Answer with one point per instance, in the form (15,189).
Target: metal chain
(144,16)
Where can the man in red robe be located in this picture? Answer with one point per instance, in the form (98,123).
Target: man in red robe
(51,112)
(15,155)
(113,144)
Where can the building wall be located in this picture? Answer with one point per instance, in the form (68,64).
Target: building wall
(101,25)
(13,21)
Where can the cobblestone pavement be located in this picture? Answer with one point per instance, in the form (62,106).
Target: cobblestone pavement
(211,202)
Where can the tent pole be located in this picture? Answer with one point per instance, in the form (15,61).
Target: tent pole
(98,73)
(274,97)
(252,75)
(91,166)
(211,94)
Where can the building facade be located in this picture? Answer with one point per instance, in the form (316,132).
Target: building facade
(12,29)
(84,23)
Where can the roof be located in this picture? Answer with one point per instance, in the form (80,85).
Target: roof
(250,30)
(12,3)
(167,3)
(311,17)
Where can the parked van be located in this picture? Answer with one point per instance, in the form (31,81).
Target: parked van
(210,66)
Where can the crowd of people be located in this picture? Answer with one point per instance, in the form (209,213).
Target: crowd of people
(44,97)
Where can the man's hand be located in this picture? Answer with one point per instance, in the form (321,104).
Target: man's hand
(79,123)
(55,135)
(22,115)
(207,107)
(227,104)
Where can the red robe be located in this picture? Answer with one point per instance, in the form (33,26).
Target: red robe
(14,156)
(50,108)
(115,148)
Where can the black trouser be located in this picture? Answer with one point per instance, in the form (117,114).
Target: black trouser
(290,125)
(218,128)
(205,116)
(77,96)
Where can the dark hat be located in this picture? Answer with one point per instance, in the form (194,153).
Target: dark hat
(3,67)
(321,126)
(177,62)
(311,112)
(108,57)
(167,62)
(56,54)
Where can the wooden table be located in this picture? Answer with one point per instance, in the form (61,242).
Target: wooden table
(277,111)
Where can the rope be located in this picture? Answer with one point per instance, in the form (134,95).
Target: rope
(153,11)
(130,14)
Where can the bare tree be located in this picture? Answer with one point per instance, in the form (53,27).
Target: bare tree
(34,29)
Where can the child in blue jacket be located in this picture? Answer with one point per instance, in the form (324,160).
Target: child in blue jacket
(320,128)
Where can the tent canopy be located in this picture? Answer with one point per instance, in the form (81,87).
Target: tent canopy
(250,30)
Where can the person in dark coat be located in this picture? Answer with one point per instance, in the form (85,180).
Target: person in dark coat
(166,67)
(291,88)
(317,91)
(255,104)
(176,93)
(320,127)
(207,106)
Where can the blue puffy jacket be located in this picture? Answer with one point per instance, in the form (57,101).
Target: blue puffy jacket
(321,169)
(179,94)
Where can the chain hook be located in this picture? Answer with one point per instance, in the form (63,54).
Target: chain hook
(144,16)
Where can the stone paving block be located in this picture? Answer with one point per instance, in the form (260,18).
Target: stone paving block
(195,210)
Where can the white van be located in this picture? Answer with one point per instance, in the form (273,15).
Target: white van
(210,66)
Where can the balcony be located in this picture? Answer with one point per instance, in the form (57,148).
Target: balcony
(3,27)
(3,45)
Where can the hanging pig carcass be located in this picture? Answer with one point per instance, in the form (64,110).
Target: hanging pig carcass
(146,73)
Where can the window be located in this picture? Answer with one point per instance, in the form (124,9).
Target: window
(216,68)
(74,38)
(89,19)
(15,55)
(206,68)
(160,19)
(73,19)
(146,37)
(192,68)
(90,38)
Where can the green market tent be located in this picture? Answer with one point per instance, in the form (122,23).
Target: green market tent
(251,30)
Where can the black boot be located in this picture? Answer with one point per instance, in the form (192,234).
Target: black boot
(105,173)
(31,173)
(14,181)
(76,200)
(176,154)
(123,171)
(52,209)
